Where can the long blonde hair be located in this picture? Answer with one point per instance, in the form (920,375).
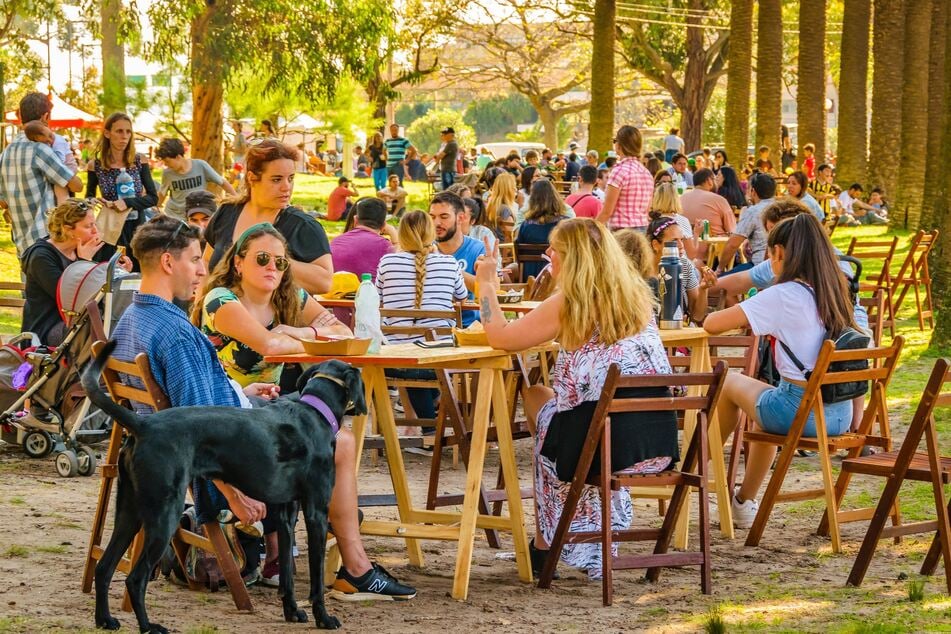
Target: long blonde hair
(665,200)
(416,236)
(503,194)
(602,291)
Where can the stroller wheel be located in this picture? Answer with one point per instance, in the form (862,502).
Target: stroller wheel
(67,464)
(37,444)
(87,461)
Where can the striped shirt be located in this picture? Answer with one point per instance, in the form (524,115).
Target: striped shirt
(396,150)
(28,172)
(396,281)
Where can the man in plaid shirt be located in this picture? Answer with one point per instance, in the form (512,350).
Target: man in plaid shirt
(630,186)
(28,172)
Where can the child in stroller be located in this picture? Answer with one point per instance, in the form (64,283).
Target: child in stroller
(44,406)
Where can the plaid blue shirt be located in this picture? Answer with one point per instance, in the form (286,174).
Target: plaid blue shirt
(182,359)
(28,172)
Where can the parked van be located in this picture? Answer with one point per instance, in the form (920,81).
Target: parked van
(504,148)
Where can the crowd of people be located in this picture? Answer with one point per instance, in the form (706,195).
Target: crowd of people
(268,259)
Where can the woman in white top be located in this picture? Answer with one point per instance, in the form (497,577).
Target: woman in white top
(808,304)
(422,278)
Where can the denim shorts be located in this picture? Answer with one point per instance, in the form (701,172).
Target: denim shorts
(776,409)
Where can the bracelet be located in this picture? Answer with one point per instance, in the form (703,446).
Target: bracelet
(315,331)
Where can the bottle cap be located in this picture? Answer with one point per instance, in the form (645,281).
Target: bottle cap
(366,277)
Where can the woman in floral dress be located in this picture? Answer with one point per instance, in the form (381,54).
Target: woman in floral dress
(601,314)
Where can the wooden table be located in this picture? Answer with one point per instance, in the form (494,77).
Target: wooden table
(491,404)
(696,339)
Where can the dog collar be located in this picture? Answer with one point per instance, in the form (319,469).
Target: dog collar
(322,407)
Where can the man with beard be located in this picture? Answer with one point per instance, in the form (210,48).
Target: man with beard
(445,209)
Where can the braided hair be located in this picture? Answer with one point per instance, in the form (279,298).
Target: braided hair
(416,236)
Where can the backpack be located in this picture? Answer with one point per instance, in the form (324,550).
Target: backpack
(201,567)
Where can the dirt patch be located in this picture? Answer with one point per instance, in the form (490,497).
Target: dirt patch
(792,582)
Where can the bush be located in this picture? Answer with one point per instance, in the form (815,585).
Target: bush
(424,132)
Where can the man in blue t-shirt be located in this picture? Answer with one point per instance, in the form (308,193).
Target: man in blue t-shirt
(396,148)
(185,365)
(445,209)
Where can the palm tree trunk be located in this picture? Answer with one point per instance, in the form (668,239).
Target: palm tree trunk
(601,111)
(811,85)
(852,151)
(937,114)
(888,54)
(739,71)
(914,114)
(941,208)
(113,59)
(769,70)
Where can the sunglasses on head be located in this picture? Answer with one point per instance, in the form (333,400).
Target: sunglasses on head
(263,258)
(171,241)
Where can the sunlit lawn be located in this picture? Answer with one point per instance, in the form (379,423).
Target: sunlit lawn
(776,606)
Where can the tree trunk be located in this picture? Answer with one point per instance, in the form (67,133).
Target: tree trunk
(811,85)
(914,115)
(941,208)
(691,110)
(113,59)
(738,79)
(769,75)
(549,119)
(208,89)
(377,96)
(937,114)
(601,111)
(852,151)
(888,29)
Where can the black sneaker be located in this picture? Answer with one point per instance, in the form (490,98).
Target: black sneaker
(376,585)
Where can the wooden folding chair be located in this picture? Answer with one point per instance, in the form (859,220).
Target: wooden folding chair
(880,375)
(910,464)
(692,473)
(831,222)
(883,250)
(875,306)
(526,253)
(914,274)
(542,288)
(214,542)
(507,227)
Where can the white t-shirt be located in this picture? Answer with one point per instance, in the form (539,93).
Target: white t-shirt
(788,312)
(845,202)
(673,142)
(396,281)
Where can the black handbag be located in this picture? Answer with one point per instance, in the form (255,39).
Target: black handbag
(848,339)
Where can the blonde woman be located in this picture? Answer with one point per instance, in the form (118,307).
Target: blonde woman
(666,202)
(422,278)
(501,205)
(72,236)
(601,314)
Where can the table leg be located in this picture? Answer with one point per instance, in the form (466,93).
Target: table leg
(470,507)
(513,492)
(376,385)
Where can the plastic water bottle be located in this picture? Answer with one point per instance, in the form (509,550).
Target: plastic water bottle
(670,288)
(125,188)
(367,305)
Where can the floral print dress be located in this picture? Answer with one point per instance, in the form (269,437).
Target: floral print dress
(579,376)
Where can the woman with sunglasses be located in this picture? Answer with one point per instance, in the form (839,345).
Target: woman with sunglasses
(72,236)
(251,308)
(265,197)
(695,282)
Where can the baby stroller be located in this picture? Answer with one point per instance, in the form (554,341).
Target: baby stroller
(91,296)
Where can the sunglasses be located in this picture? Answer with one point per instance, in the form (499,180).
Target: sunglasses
(263,258)
(171,241)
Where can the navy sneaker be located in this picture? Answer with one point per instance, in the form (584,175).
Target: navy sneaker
(376,585)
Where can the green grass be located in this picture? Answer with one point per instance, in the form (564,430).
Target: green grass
(16,551)
(55,549)
(17,501)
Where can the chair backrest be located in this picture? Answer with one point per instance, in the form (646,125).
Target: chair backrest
(12,301)
(738,352)
(525,253)
(918,250)
(542,287)
(882,364)
(937,393)
(883,250)
(151,395)
(710,384)
(507,227)
(453,316)
(875,306)
(832,221)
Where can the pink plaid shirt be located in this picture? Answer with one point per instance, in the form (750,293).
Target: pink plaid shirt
(636,187)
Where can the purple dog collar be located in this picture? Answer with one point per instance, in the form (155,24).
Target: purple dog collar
(321,407)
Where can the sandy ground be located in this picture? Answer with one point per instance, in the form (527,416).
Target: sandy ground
(791,582)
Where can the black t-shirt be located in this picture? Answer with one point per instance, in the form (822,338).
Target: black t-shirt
(377,161)
(306,238)
(448,162)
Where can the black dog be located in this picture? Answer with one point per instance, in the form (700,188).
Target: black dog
(277,454)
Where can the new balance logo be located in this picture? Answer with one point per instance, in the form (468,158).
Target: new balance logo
(377,585)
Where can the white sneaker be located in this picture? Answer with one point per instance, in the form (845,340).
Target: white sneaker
(744,513)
